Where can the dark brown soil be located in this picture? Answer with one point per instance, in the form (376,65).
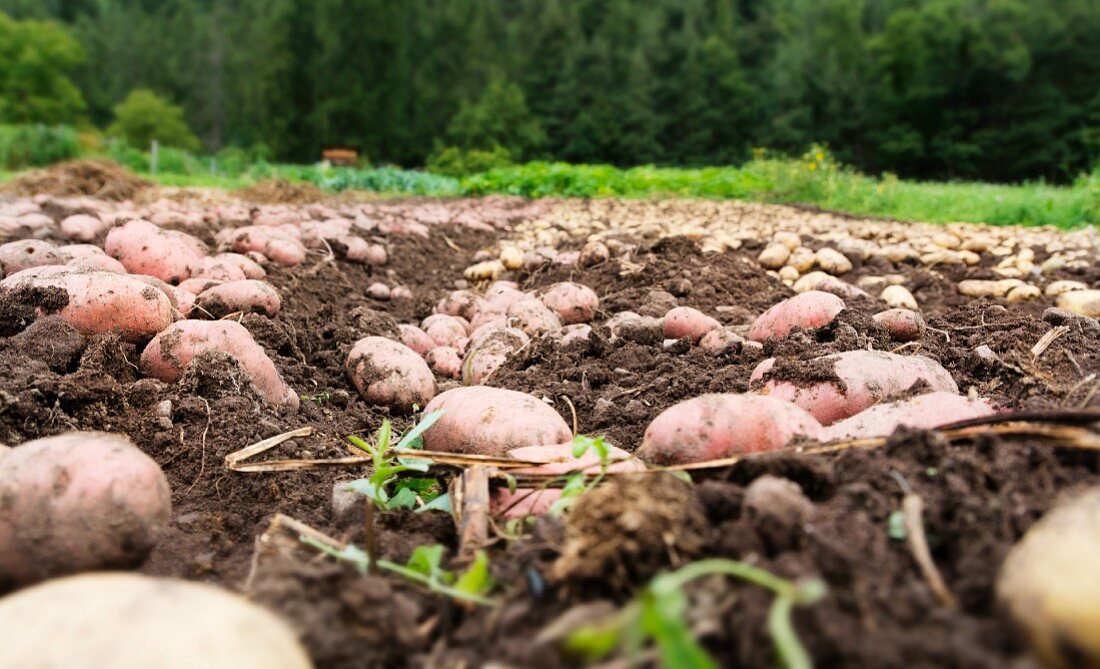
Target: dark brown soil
(878,611)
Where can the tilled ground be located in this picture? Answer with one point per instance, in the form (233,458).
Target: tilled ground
(879,612)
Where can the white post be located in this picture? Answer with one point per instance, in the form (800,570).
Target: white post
(153,157)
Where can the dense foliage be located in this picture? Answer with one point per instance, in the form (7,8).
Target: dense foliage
(990,89)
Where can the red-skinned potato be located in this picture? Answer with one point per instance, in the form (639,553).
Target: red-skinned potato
(74,251)
(686,322)
(100,302)
(922,412)
(168,354)
(196,286)
(901,324)
(572,302)
(445,361)
(82,227)
(219,269)
(101,263)
(77,502)
(486,353)
(249,267)
(273,243)
(248,295)
(460,303)
(146,249)
(27,253)
(444,330)
(388,373)
(863,378)
(723,425)
(720,340)
(416,339)
(809,311)
(532,317)
(491,421)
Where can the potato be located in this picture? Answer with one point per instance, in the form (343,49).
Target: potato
(444,330)
(219,269)
(723,425)
(572,302)
(21,255)
(249,267)
(682,322)
(82,227)
(371,254)
(460,303)
(491,421)
(533,317)
(77,502)
(168,354)
(144,248)
(901,324)
(197,286)
(486,353)
(594,253)
(273,243)
(416,339)
(922,412)
(863,378)
(74,251)
(101,263)
(1050,583)
(131,621)
(720,340)
(247,295)
(809,310)
(388,373)
(575,333)
(98,302)
(445,361)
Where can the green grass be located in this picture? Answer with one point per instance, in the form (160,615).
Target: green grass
(201,180)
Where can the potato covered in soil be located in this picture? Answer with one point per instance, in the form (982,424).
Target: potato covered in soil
(487,352)
(572,302)
(143,248)
(901,324)
(723,425)
(809,311)
(1050,583)
(491,421)
(922,412)
(21,255)
(533,317)
(168,354)
(129,621)
(415,338)
(77,502)
(248,295)
(388,373)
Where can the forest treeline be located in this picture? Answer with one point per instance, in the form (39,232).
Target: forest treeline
(978,89)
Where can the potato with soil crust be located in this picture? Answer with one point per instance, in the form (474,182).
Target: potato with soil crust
(923,412)
(27,253)
(444,330)
(901,324)
(572,302)
(131,621)
(143,248)
(249,296)
(273,243)
(77,502)
(491,421)
(445,361)
(682,322)
(487,352)
(839,386)
(723,425)
(461,303)
(533,317)
(388,373)
(1050,583)
(95,302)
(416,339)
(809,311)
(168,354)
(721,340)
(218,268)
(249,267)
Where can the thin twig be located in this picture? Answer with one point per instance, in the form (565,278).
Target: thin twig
(1046,340)
(265,445)
(912,509)
(202,457)
(572,409)
(474,519)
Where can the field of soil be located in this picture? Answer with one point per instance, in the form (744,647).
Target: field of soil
(980,494)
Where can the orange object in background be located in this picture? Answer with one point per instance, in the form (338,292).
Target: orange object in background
(341,157)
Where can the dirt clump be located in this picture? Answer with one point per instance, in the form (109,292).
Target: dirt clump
(281,191)
(94,177)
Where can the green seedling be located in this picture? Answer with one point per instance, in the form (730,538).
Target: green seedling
(577,483)
(388,468)
(657,616)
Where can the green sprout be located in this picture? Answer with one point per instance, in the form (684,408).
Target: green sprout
(577,483)
(388,468)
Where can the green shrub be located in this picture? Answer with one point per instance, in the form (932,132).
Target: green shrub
(144,116)
(24,146)
(382,180)
(452,161)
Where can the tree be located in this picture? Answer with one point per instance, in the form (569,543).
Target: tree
(36,58)
(144,116)
(498,117)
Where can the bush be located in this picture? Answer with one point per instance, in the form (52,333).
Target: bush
(36,145)
(144,116)
(127,156)
(455,162)
(382,180)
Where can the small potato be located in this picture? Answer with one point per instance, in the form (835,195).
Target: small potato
(594,253)
(572,302)
(21,255)
(416,339)
(487,352)
(249,267)
(809,310)
(131,621)
(444,330)
(273,243)
(491,421)
(96,302)
(82,227)
(146,249)
(863,378)
(77,502)
(902,324)
(581,332)
(533,317)
(445,361)
(923,412)
(168,354)
(461,303)
(219,269)
(197,286)
(248,295)
(391,374)
(723,425)
(687,322)
(721,340)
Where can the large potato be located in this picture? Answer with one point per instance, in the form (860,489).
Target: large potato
(77,502)
(572,302)
(922,412)
(491,421)
(143,248)
(809,310)
(388,373)
(247,295)
(681,322)
(723,425)
(128,621)
(168,354)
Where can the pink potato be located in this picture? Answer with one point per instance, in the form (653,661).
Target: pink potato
(378,291)
(101,302)
(444,330)
(82,227)
(74,251)
(491,421)
(486,353)
(572,302)
(716,426)
(460,303)
(249,296)
(416,339)
(445,361)
(358,250)
(249,267)
(810,310)
(197,286)
(102,263)
(27,253)
(388,373)
(533,317)
(575,333)
(146,249)
(863,378)
(168,354)
(720,340)
(76,502)
(219,269)
(922,412)
(901,324)
(685,322)
(273,243)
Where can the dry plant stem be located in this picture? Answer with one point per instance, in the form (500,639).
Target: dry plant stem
(1046,340)
(474,522)
(202,462)
(371,534)
(298,465)
(912,509)
(265,445)
(573,410)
